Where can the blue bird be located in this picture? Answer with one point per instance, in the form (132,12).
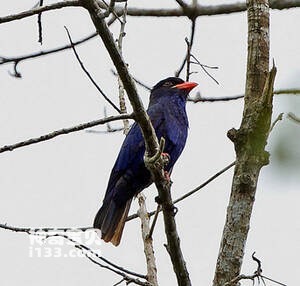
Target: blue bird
(129,175)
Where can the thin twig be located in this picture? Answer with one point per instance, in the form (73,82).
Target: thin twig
(257,274)
(274,281)
(293,117)
(182,4)
(64,131)
(40,9)
(199,98)
(142,84)
(122,101)
(111,130)
(158,209)
(279,117)
(188,59)
(5,60)
(41,232)
(88,74)
(204,184)
(191,41)
(93,253)
(204,67)
(40,23)
(287,91)
(31,230)
(131,217)
(110,9)
(120,282)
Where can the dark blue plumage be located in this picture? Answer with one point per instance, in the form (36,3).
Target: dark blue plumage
(129,175)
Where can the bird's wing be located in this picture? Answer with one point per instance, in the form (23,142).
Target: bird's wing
(130,160)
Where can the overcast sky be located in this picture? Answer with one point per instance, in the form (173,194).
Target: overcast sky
(62,182)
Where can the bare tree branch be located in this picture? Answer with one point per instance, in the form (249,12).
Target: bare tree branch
(293,117)
(46,232)
(122,101)
(189,48)
(207,10)
(40,24)
(89,253)
(249,141)
(40,9)
(205,183)
(89,75)
(204,68)
(5,60)
(212,178)
(199,98)
(63,132)
(147,240)
(287,91)
(191,11)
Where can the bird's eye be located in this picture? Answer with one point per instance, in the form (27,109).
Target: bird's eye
(168,84)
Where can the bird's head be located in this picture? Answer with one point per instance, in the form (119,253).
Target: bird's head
(172,86)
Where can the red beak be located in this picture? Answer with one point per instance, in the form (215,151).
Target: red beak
(186,86)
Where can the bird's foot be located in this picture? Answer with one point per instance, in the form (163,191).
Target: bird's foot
(165,158)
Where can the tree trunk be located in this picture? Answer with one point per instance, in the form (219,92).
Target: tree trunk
(249,142)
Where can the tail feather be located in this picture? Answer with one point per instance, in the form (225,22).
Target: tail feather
(111,219)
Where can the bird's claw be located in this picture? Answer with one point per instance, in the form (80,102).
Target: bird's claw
(165,158)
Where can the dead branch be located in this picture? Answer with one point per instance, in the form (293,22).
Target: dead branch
(64,131)
(147,240)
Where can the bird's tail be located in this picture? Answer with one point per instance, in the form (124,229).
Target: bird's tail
(111,219)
